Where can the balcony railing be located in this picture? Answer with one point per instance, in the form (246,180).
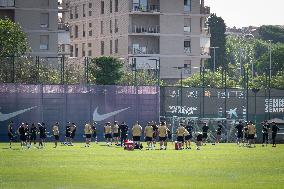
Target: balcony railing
(7,3)
(205,10)
(205,31)
(142,50)
(144,29)
(205,51)
(149,8)
(63,26)
(187,50)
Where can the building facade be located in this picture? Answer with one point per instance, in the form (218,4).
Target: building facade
(144,33)
(39,20)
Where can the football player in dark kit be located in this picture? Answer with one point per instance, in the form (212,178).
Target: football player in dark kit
(42,134)
(94,129)
(67,133)
(205,129)
(265,130)
(33,133)
(123,132)
(274,130)
(10,132)
(27,133)
(218,132)
(240,134)
(189,129)
(73,129)
(21,132)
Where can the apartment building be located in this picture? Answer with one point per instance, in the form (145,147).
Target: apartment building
(39,20)
(144,33)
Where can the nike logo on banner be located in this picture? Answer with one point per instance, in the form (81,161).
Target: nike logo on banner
(101,117)
(4,117)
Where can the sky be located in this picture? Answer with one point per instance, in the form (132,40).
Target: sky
(242,13)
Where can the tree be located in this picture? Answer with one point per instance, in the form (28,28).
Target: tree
(13,41)
(106,70)
(218,39)
(143,77)
(274,33)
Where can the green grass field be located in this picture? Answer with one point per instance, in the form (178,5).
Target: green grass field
(69,167)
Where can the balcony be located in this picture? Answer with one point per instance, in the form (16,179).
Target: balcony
(206,32)
(63,26)
(7,3)
(205,51)
(205,10)
(142,50)
(147,30)
(136,8)
(63,7)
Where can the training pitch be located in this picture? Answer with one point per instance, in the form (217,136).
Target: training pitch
(70,167)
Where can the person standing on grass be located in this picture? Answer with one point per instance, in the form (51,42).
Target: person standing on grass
(205,130)
(251,133)
(219,132)
(107,131)
(265,130)
(88,132)
(27,133)
(55,130)
(123,133)
(115,131)
(274,130)
(246,138)
(180,136)
(67,133)
(42,134)
(10,132)
(199,139)
(33,133)
(21,132)
(240,135)
(94,131)
(155,133)
(163,132)
(189,128)
(136,133)
(187,138)
(73,129)
(148,133)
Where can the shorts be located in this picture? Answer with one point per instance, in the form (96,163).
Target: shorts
(180,139)
(199,138)
(67,135)
(115,134)
(108,136)
(33,137)
(88,135)
(56,137)
(148,139)
(136,138)
(94,135)
(162,138)
(72,135)
(251,136)
(219,133)
(23,138)
(204,135)
(187,137)
(240,135)
(42,136)
(170,137)
(10,136)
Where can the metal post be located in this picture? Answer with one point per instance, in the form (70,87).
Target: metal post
(200,79)
(225,104)
(247,89)
(265,94)
(13,63)
(203,92)
(181,93)
(159,72)
(63,70)
(270,75)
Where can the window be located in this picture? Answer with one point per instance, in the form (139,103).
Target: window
(76,31)
(84,10)
(187,6)
(90,24)
(102,48)
(71,50)
(71,12)
(89,45)
(76,12)
(187,46)
(90,33)
(115,26)
(110,46)
(44,20)
(76,50)
(102,27)
(116,5)
(71,31)
(84,32)
(187,24)
(116,46)
(90,53)
(44,39)
(187,66)
(102,7)
(110,6)
(90,5)
(110,26)
(83,49)
(90,13)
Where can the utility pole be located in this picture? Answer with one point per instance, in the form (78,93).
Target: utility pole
(214,51)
